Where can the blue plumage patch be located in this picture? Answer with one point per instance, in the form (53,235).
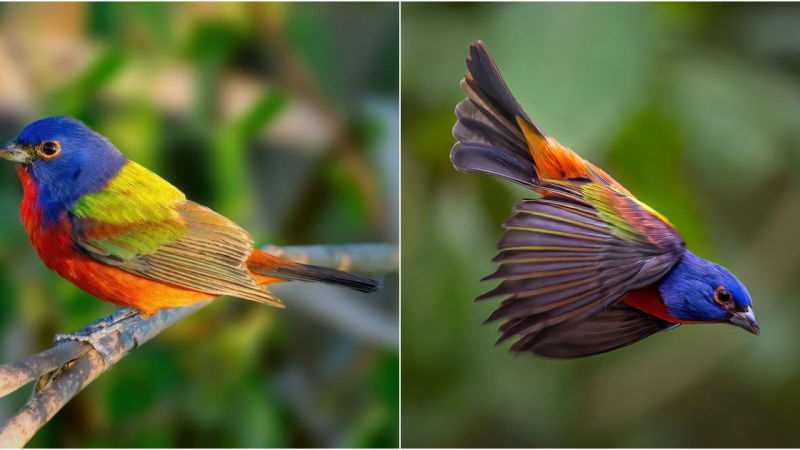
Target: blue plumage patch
(86,164)
(688,290)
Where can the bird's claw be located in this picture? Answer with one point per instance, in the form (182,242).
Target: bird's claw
(96,333)
(96,341)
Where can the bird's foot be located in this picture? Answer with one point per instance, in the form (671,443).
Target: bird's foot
(95,333)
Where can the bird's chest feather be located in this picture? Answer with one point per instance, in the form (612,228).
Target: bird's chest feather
(649,300)
(54,245)
(52,241)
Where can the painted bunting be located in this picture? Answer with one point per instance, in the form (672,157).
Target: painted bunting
(125,235)
(587,268)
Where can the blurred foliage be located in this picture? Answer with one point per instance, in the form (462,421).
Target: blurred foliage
(694,109)
(281,116)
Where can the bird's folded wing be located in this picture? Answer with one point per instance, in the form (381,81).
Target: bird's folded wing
(192,248)
(574,253)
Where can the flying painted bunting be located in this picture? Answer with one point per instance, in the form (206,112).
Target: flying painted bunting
(127,236)
(587,268)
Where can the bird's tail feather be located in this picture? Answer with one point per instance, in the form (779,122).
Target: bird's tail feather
(497,137)
(265,265)
(492,126)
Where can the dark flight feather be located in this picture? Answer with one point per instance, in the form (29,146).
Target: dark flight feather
(614,328)
(477,157)
(483,73)
(568,257)
(491,140)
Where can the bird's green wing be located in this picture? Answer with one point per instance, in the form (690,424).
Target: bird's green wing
(134,215)
(574,253)
(142,224)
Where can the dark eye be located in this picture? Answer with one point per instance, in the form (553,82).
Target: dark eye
(50,149)
(723,296)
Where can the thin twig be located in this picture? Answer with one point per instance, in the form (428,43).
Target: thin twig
(15,375)
(76,365)
(49,399)
(359,258)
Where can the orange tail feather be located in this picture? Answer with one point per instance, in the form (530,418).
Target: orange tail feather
(497,137)
(268,268)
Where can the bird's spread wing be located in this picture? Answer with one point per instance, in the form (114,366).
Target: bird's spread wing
(573,254)
(616,327)
(143,225)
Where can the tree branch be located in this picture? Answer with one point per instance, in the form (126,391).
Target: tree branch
(66,369)
(360,258)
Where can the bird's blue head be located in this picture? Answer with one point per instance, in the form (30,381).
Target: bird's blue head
(65,160)
(697,290)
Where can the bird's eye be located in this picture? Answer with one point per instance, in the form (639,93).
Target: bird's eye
(50,149)
(722,295)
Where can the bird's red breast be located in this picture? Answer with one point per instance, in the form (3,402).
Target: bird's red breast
(56,249)
(648,299)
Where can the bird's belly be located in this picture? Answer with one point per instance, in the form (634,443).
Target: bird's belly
(109,283)
(125,289)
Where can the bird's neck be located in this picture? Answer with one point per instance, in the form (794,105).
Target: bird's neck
(649,299)
(51,242)
(39,211)
(683,290)
(32,215)
(48,198)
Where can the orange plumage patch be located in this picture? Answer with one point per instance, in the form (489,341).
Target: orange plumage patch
(106,282)
(555,162)
(261,261)
(111,284)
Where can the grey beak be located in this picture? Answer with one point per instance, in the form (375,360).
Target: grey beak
(746,320)
(15,153)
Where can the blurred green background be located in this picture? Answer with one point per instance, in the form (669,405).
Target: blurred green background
(692,107)
(282,117)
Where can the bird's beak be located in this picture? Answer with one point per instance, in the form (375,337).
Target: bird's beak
(15,153)
(746,320)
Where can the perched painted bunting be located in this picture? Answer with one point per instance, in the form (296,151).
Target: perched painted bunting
(126,236)
(587,268)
